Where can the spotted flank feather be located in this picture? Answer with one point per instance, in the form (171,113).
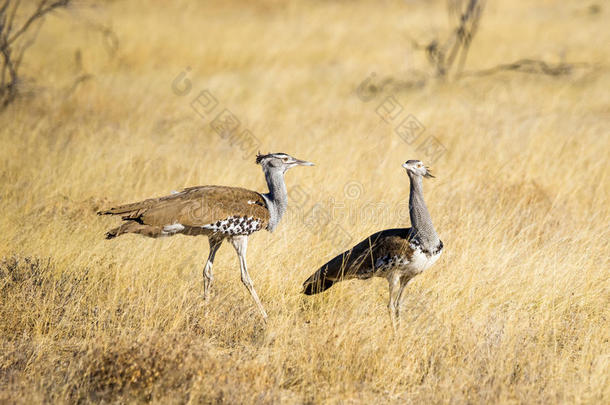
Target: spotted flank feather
(235,225)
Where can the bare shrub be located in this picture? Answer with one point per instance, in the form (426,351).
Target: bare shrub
(18,31)
(448,57)
(443,55)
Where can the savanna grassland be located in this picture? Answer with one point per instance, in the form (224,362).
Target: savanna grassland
(515,311)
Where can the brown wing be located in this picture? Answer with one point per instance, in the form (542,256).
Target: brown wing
(196,207)
(360,261)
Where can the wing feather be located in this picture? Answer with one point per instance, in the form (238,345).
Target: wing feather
(360,261)
(196,207)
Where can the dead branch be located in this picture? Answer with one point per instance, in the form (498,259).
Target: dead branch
(530,66)
(443,56)
(15,39)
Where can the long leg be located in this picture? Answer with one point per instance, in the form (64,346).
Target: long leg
(208,277)
(404,281)
(394,283)
(240,243)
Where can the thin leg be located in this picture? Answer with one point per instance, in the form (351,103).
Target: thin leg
(240,243)
(394,282)
(208,277)
(404,281)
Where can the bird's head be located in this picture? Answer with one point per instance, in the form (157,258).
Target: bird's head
(417,168)
(279,162)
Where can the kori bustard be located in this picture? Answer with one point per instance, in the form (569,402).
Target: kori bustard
(215,211)
(395,254)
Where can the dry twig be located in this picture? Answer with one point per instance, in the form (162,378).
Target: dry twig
(16,38)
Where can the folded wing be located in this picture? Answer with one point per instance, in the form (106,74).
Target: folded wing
(361,261)
(195,207)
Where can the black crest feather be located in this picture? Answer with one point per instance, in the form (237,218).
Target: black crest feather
(260,157)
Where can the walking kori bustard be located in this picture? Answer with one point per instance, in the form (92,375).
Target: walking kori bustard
(395,254)
(218,212)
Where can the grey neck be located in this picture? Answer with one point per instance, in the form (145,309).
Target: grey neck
(276,198)
(421,223)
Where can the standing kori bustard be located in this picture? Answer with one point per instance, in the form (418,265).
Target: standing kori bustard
(216,211)
(395,254)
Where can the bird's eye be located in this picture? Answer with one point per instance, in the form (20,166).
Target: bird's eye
(285,160)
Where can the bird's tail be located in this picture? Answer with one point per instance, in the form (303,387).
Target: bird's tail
(119,230)
(129,211)
(134,227)
(113,233)
(318,282)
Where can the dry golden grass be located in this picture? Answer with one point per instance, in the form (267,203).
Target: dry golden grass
(516,310)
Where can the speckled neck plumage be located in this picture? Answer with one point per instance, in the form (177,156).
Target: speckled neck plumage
(276,198)
(421,223)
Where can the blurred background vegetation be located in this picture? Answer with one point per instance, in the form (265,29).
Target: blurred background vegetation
(512,94)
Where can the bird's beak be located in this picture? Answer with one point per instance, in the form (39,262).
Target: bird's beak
(302,162)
